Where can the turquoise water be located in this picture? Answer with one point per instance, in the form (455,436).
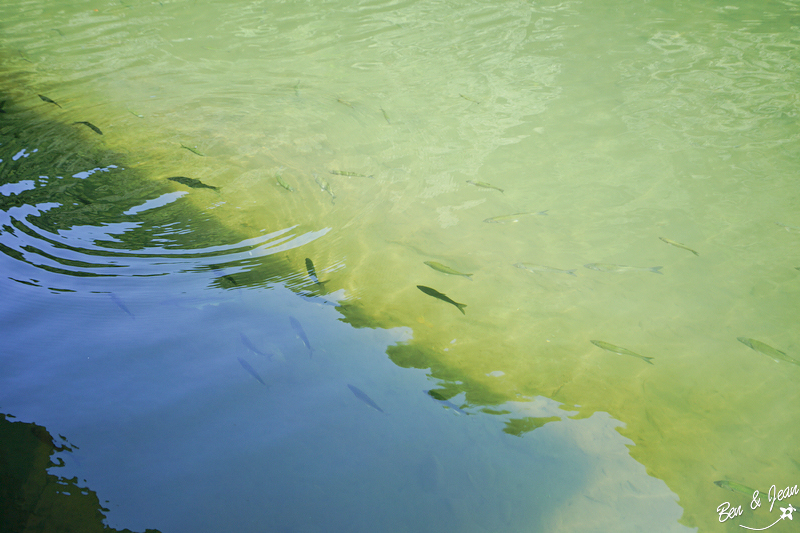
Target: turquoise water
(141,315)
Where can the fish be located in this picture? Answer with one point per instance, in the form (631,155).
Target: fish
(447,270)
(539,268)
(620,350)
(679,245)
(250,369)
(363,397)
(386,116)
(784,226)
(193,150)
(134,113)
(447,403)
(443,297)
(249,345)
(767,350)
(607,267)
(325,186)
(484,185)
(90,126)
(1,106)
(300,333)
(312,273)
(348,104)
(49,101)
(349,174)
(116,300)
(468,98)
(502,219)
(191,182)
(283,183)
(738,487)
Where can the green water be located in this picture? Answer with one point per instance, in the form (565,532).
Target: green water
(624,122)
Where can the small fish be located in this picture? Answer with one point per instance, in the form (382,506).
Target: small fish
(134,113)
(364,398)
(447,403)
(386,116)
(249,345)
(1,106)
(468,98)
(49,101)
(325,186)
(738,487)
(250,369)
(620,350)
(193,150)
(348,104)
(191,182)
(447,270)
(790,229)
(502,219)
(312,273)
(679,245)
(539,268)
(90,126)
(116,300)
(350,174)
(767,350)
(607,267)
(300,333)
(484,185)
(283,183)
(443,297)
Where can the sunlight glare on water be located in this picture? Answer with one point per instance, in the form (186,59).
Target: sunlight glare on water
(376,136)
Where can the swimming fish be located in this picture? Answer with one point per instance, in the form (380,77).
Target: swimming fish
(468,98)
(607,267)
(116,300)
(364,398)
(484,185)
(443,297)
(250,369)
(312,273)
(620,350)
(788,228)
(348,104)
(300,333)
(249,345)
(386,116)
(49,101)
(679,245)
(325,186)
(193,150)
(283,183)
(737,487)
(349,174)
(767,350)
(447,270)
(539,268)
(1,106)
(502,219)
(91,126)
(191,182)
(447,403)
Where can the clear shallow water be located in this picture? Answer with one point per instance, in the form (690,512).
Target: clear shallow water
(624,125)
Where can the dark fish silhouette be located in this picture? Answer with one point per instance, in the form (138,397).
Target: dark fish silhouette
(249,345)
(91,126)
(300,333)
(49,101)
(442,297)
(1,106)
(191,182)
(116,300)
(312,273)
(447,403)
(250,369)
(364,398)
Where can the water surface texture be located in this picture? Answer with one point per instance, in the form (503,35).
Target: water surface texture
(405,266)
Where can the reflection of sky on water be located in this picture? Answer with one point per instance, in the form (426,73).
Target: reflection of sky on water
(167,422)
